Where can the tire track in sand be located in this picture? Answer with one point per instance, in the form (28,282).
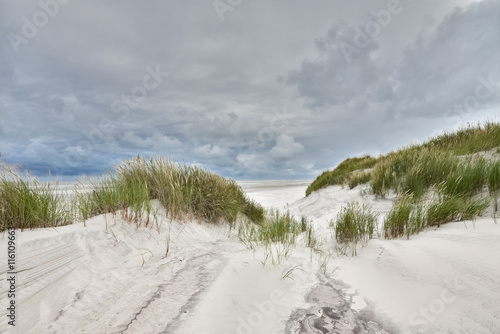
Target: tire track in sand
(38,274)
(172,300)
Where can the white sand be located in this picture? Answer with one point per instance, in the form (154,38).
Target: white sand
(276,194)
(78,279)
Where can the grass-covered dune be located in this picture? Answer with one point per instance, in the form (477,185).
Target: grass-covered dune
(185,192)
(345,172)
(443,179)
(468,140)
(27,203)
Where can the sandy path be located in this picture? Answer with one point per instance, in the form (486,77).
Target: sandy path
(185,287)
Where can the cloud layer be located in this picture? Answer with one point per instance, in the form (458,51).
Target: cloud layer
(275,90)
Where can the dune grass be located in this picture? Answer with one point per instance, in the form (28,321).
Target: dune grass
(413,168)
(494,184)
(278,228)
(446,166)
(110,194)
(341,173)
(455,208)
(28,203)
(468,178)
(355,223)
(398,222)
(413,174)
(185,192)
(468,139)
(358,178)
(409,216)
(278,235)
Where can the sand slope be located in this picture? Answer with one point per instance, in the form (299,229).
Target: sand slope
(444,280)
(117,279)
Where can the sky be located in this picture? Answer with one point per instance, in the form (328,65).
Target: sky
(257,89)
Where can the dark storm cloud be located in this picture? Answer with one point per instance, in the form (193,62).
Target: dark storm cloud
(89,85)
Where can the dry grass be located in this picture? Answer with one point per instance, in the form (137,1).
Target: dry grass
(28,203)
(185,192)
(415,168)
(355,223)
(444,165)
(341,174)
(279,233)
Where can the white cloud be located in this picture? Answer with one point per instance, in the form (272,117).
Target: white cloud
(250,162)
(286,148)
(211,151)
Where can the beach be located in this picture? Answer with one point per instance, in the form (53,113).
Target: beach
(108,276)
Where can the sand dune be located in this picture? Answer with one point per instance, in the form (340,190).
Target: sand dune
(116,279)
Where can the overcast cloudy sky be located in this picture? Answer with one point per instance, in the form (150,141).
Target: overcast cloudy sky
(250,89)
